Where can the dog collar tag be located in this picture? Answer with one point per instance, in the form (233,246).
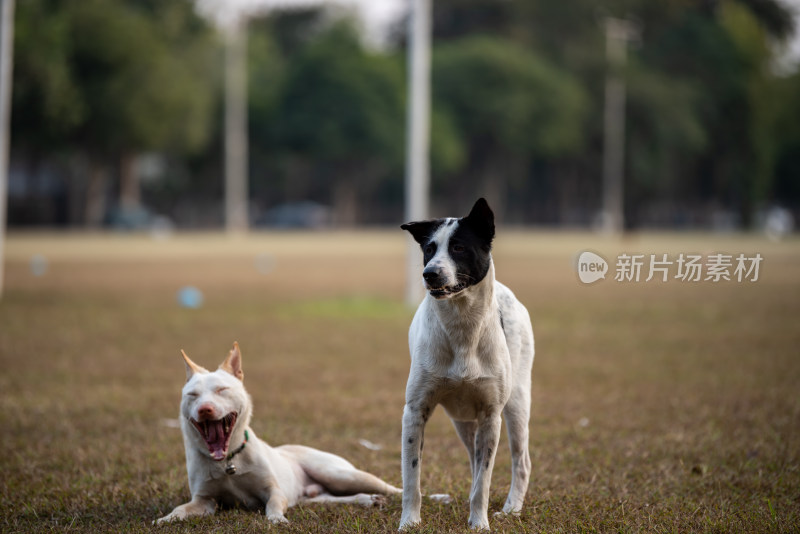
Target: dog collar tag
(230,469)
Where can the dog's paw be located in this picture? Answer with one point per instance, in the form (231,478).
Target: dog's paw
(277,519)
(440,498)
(510,513)
(510,509)
(378,501)
(370,501)
(479,523)
(407,525)
(167,519)
(409,520)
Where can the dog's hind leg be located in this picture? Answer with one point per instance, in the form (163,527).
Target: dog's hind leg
(351,481)
(516,414)
(335,474)
(361,499)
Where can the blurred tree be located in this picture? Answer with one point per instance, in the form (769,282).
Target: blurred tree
(709,137)
(758,89)
(287,168)
(46,97)
(518,92)
(340,116)
(773,16)
(786,187)
(509,106)
(274,42)
(699,92)
(720,55)
(110,79)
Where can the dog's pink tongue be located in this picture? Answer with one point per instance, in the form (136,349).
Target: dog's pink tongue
(215,439)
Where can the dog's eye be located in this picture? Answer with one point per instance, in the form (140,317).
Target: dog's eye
(458,248)
(220,390)
(191,394)
(430,248)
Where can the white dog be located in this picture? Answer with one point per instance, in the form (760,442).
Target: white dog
(215,413)
(471,346)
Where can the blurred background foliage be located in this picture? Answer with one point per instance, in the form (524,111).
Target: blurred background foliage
(117,113)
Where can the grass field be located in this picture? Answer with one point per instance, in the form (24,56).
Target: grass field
(657,407)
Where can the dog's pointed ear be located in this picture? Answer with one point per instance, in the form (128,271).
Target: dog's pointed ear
(421,231)
(233,363)
(481,220)
(191,367)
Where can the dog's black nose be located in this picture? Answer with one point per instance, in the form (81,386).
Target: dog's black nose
(432,277)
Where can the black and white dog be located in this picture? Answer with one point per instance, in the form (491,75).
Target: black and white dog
(471,346)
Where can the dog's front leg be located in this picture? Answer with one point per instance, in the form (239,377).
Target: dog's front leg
(486,439)
(197,506)
(277,504)
(415,415)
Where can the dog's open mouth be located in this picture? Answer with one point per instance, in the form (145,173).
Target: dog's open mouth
(447,291)
(217,434)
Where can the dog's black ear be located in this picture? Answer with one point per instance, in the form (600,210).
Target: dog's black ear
(422,231)
(481,220)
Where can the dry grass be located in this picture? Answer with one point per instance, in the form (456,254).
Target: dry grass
(658,407)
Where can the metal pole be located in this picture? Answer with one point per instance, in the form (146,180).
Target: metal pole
(417,138)
(6,70)
(236,206)
(617,34)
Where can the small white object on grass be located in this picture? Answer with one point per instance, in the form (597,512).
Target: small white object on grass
(369,445)
(38,265)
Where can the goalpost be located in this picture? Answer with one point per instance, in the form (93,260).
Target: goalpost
(6,62)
